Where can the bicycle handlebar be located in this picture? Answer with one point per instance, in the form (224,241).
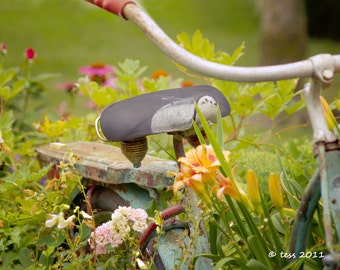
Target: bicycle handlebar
(320,66)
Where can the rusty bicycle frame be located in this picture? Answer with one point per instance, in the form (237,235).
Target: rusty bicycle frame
(320,70)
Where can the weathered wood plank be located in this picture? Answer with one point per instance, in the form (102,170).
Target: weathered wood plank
(106,163)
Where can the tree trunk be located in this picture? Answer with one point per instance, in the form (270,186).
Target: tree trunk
(283,31)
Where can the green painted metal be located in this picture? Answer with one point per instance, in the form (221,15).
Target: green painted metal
(333,175)
(330,190)
(325,183)
(303,220)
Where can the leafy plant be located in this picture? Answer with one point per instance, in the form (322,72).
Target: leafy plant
(245,217)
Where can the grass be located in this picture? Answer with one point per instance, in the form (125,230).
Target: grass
(70,34)
(67,36)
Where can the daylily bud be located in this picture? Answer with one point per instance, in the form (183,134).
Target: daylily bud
(337,104)
(330,119)
(275,191)
(253,188)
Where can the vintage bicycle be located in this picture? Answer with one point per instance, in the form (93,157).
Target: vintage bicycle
(126,189)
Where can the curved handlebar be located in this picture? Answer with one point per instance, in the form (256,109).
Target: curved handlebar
(113,6)
(320,66)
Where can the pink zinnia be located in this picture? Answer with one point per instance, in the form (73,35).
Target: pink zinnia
(96,69)
(68,86)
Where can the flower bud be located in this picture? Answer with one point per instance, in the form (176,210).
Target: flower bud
(330,119)
(3,48)
(30,53)
(275,191)
(253,188)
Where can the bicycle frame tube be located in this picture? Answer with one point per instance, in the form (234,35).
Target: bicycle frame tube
(330,183)
(305,213)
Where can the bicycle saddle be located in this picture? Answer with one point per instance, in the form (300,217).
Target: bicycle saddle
(166,111)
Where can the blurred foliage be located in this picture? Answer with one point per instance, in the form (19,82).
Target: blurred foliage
(28,199)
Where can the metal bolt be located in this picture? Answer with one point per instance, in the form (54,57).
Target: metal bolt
(327,74)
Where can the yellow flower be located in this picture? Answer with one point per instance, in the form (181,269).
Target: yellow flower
(330,119)
(51,129)
(253,188)
(198,171)
(275,191)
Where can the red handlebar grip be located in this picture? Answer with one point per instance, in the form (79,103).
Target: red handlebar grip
(114,6)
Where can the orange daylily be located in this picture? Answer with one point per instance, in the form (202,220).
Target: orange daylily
(226,187)
(194,182)
(202,159)
(198,171)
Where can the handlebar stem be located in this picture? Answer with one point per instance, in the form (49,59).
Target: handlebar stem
(319,125)
(324,66)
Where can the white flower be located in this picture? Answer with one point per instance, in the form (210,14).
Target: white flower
(85,215)
(53,220)
(139,218)
(120,223)
(59,219)
(141,264)
(57,145)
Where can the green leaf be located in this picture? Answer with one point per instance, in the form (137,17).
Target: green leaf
(219,265)
(256,265)
(226,59)
(5,92)
(6,121)
(7,76)
(257,247)
(103,96)
(25,257)
(286,87)
(277,222)
(212,140)
(130,69)
(184,40)
(8,258)
(18,86)
(198,132)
